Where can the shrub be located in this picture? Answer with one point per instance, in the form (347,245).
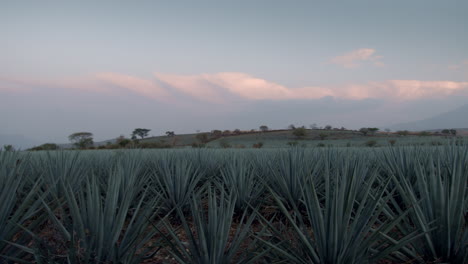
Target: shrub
(224,143)
(371,143)
(403,132)
(198,145)
(123,142)
(47,146)
(424,134)
(154,145)
(323,136)
(299,132)
(258,145)
(202,137)
(392,142)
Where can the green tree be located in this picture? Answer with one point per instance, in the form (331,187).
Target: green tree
(140,132)
(81,139)
(8,148)
(170,133)
(264,128)
(373,130)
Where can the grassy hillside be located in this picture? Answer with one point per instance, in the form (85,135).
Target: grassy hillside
(313,138)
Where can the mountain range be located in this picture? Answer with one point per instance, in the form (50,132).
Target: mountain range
(457,119)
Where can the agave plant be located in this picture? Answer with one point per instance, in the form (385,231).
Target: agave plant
(175,180)
(438,195)
(289,173)
(17,206)
(103,223)
(210,240)
(344,220)
(241,178)
(58,167)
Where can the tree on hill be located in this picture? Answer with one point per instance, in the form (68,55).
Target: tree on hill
(373,130)
(328,127)
(449,132)
(8,148)
(264,128)
(140,132)
(170,133)
(300,132)
(292,127)
(364,130)
(237,131)
(81,139)
(202,137)
(216,132)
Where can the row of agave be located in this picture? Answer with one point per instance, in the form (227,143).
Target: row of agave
(398,205)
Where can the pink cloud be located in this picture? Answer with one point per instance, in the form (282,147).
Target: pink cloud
(140,86)
(228,86)
(354,58)
(216,88)
(197,86)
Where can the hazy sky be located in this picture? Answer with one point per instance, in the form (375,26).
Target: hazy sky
(110,66)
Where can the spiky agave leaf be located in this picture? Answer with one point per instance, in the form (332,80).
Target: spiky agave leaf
(341,223)
(18,203)
(210,240)
(242,179)
(106,222)
(290,172)
(175,179)
(438,195)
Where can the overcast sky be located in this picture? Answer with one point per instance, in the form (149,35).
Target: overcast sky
(108,67)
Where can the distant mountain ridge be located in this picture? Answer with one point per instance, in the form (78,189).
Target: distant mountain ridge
(457,118)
